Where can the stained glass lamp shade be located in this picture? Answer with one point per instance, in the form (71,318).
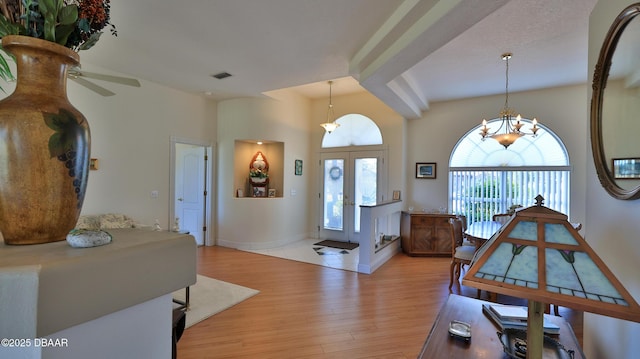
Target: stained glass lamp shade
(538,255)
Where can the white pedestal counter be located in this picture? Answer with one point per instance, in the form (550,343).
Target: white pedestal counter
(48,290)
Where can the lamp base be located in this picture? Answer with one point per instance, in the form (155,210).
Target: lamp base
(535,333)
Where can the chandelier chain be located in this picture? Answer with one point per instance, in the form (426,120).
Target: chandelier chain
(506,83)
(331,124)
(510,124)
(330,110)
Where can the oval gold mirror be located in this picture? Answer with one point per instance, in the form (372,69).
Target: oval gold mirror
(614,114)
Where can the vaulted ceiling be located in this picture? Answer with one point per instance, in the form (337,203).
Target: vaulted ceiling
(408,53)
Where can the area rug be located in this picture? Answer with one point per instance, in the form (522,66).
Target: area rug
(337,244)
(211,296)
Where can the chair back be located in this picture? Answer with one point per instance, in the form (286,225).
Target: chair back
(502,217)
(463,218)
(456,234)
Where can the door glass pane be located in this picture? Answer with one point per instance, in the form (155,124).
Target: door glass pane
(366,179)
(333,194)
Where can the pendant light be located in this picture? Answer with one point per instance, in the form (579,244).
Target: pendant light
(331,124)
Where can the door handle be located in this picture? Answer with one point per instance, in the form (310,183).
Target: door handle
(180,199)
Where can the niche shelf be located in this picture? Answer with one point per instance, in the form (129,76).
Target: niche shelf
(248,151)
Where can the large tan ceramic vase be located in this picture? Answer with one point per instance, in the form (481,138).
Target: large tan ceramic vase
(44,146)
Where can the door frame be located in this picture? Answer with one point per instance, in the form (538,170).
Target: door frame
(382,185)
(209,182)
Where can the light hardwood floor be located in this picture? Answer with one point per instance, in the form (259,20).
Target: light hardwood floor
(308,311)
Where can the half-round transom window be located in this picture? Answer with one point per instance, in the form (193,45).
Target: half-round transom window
(354,130)
(545,149)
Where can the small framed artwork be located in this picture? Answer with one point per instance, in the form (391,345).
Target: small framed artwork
(93,164)
(626,168)
(259,192)
(298,167)
(396,195)
(272,192)
(426,170)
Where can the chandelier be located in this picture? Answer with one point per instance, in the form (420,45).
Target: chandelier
(509,130)
(331,124)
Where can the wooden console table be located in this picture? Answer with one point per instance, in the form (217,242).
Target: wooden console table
(484,341)
(425,234)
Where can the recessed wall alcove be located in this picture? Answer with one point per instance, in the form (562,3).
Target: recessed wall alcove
(244,153)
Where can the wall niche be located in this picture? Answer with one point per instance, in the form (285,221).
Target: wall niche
(258,169)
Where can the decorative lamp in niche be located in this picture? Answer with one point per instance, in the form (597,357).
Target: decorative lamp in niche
(259,170)
(538,255)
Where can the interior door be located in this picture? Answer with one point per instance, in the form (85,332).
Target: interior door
(190,189)
(349,180)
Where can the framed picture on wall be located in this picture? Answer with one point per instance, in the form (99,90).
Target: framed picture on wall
(626,168)
(426,170)
(298,167)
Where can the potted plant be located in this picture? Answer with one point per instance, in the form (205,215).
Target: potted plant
(75,24)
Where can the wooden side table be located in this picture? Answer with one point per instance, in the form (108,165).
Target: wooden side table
(484,341)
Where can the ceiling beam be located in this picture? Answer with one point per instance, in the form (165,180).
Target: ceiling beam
(416,29)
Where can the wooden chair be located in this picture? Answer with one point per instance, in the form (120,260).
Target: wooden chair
(460,254)
(501,217)
(463,219)
(465,240)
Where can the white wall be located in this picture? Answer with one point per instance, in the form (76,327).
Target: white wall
(611,225)
(254,223)
(131,137)
(433,137)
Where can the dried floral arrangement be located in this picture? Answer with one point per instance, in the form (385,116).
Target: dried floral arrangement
(75,24)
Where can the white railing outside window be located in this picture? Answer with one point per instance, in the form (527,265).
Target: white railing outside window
(478,193)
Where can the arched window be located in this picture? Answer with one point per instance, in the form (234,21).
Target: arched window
(354,130)
(485,178)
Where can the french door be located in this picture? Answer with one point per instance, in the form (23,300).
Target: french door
(349,180)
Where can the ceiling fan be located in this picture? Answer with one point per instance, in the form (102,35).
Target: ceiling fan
(77,75)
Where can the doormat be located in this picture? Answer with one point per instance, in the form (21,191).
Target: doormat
(337,244)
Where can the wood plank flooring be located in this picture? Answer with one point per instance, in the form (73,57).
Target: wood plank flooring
(308,311)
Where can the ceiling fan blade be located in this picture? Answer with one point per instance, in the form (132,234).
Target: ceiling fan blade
(116,79)
(91,86)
